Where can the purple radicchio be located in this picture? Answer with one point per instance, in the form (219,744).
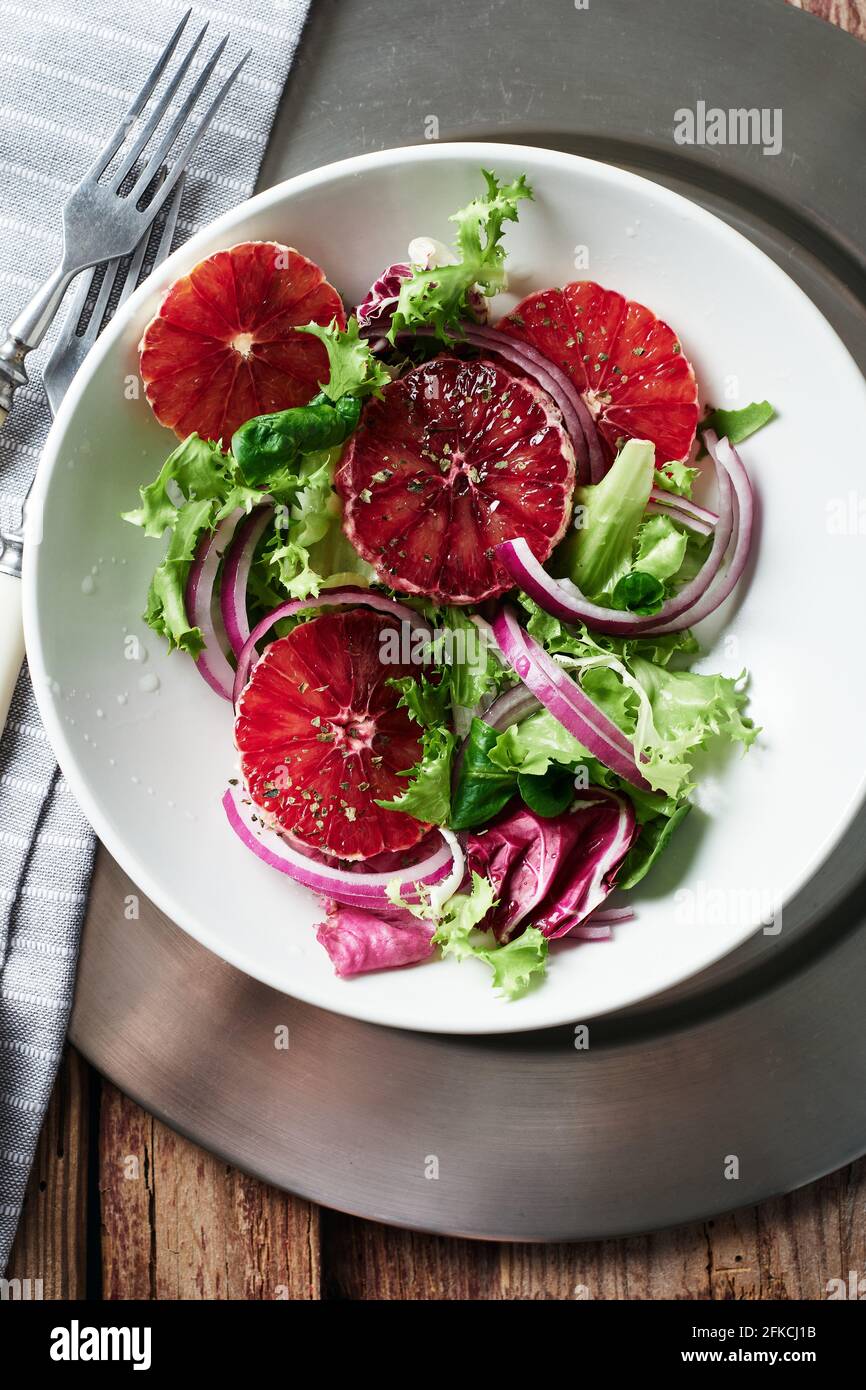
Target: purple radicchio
(552,873)
(376,309)
(359,939)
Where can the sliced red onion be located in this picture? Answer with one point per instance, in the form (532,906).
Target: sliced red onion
(703,528)
(566,701)
(563,389)
(594,930)
(212,661)
(564,683)
(578,421)
(612,914)
(724,454)
(331,598)
(236,573)
(507,709)
(510,708)
(345,886)
(447,887)
(683,504)
(565,601)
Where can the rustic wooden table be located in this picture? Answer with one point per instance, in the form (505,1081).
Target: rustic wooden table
(121,1207)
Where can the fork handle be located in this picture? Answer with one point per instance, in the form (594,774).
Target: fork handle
(11,641)
(27,332)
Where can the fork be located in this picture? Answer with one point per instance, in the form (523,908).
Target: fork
(106,220)
(102,222)
(73,346)
(66,357)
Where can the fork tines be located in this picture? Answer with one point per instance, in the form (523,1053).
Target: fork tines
(126,177)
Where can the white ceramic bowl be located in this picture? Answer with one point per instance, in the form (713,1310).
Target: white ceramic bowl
(149,766)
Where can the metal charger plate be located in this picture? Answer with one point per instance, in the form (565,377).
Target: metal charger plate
(762,1057)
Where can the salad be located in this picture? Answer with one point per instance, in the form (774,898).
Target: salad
(445,569)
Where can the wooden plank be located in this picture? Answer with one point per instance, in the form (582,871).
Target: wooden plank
(787,1248)
(179,1223)
(51,1243)
(364,1261)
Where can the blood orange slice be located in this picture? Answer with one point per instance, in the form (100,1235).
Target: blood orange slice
(321,736)
(224,345)
(628,366)
(456,457)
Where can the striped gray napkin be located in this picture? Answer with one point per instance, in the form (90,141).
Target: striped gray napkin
(69,73)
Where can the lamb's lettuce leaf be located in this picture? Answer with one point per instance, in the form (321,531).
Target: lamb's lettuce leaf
(483,789)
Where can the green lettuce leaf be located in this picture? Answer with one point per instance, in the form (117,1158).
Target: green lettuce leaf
(195,489)
(575,639)
(428,795)
(476,672)
(531,747)
(661,547)
(598,551)
(737,425)
(301,522)
(483,788)
(676,477)
(513,964)
(427,701)
(654,837)
(438,297)
(197,470)
(687,711)
(354,371)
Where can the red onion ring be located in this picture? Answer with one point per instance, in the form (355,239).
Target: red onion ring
(591,930)
(702,528)
(591,465)
(332,598)
(236,574)
(566,701)
(612,914)
(683,504)
(212,661)
(565,601)
(510,708)
(725,455)
(345,886)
